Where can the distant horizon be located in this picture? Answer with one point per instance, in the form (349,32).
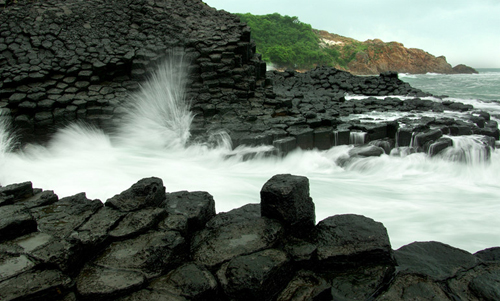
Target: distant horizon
(465,32)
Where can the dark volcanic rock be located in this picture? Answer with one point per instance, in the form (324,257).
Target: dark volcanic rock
(15,220)
(103,253)
(96,229)
(148,192)
(65,254)
(46,197)
(414,287)
(217,245)
(79,60)
(434,260)
(64,216)
(363,283)
(103,283)
(137,222)
(146,294)
(461,68)
(245,213)
(237,232)
(426,137)
(258,276)
(35,285)
(490,254)
(190,281)
(286,199)
(151,253)
(64,61)
(366,151)
(198,207)
(350,239)
(17,192)
(439,145)
(435,270)
(12,265)
(306,285)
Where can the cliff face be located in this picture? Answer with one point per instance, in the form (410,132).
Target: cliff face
(375,56)
(62,61)
(382,57)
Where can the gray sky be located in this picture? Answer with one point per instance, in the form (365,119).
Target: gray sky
(464,31)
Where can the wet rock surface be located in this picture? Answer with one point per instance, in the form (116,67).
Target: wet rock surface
(235,255)
(286,199)
(81,60)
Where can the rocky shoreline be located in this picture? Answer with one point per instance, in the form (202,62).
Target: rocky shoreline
(80,61)
(145,244)
(66,63)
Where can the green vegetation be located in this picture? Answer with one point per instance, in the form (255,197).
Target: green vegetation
(289,43)
(285,41)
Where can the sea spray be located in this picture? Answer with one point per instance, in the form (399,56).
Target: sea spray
(6,141)
(159,114)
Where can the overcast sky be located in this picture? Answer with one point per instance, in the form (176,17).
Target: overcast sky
(464,31)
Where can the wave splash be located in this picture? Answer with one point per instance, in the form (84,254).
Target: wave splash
(159,114)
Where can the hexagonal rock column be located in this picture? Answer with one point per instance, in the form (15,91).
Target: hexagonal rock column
(286,198)
(349,240)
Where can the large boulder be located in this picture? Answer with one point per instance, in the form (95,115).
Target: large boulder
(15,220)
(16,192)
(233,234)
(258,276)
(434,260)
(286,199)
(351,240)
(198,207)
(429,270)
(464,69)
(148,192)
(190,280)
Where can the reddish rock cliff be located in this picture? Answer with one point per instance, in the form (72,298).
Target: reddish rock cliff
(376,56)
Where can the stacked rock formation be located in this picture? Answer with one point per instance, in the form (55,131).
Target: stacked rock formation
(145,244)
(80,61)
(63,61)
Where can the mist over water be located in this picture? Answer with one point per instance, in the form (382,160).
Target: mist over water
(416,197)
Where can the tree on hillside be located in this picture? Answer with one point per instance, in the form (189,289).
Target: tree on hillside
(285,41)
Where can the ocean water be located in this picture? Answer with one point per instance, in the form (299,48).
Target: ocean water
(416,197)
(484,86)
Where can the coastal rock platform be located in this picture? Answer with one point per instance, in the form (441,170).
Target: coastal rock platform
(145,244)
